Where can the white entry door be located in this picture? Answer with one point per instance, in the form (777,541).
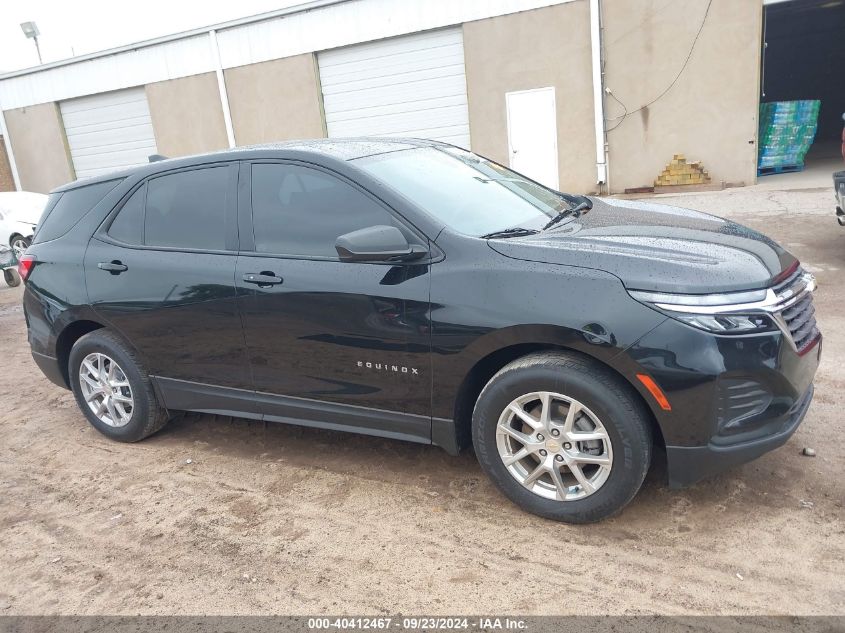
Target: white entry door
(532,134)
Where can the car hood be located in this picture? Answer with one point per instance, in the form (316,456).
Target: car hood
(657,247)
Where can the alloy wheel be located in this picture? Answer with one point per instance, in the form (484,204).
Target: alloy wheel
(106,389)
(19,245)
(554,446)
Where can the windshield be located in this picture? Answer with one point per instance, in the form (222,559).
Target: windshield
(466,192)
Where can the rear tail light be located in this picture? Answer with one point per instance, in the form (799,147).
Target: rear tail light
(25,265)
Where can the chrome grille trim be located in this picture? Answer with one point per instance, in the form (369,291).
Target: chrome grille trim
(773,302)
(788,302)
(798,318)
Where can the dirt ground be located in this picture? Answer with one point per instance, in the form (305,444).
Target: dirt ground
(219,516)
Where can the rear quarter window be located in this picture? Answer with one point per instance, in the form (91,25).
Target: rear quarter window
(72,205)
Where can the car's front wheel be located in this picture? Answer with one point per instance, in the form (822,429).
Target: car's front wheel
(562,437)
(19,244)
(113,389)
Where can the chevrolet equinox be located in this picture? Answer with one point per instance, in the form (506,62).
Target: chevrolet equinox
(413,290)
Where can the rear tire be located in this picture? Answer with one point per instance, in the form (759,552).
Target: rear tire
(551,470)
(113,389)
(11,277)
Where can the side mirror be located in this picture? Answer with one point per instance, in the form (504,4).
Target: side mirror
(377,244)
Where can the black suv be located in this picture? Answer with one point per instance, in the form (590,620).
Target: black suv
(413,290)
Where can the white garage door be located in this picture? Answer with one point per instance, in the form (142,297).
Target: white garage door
(108,131)
(405,86)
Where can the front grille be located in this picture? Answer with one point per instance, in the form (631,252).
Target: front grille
(798,317)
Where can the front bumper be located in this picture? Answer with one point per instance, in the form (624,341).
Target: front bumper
(689,464)
(733,398)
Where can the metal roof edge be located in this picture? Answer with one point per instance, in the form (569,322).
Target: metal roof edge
(261,17)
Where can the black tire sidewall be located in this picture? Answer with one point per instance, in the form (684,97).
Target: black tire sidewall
(11,277)
(629,437)
(96,342)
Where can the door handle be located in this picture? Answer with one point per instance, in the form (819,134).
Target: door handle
(263,279)
(114,267)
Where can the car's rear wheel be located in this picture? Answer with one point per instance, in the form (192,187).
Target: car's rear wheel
(113,389)
(11,277)
(562,437)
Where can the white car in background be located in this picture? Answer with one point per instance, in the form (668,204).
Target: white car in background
(19,213)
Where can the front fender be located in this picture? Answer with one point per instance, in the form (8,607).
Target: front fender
(478,311)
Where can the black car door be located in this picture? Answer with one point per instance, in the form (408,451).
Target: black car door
(161,271)
(333,344)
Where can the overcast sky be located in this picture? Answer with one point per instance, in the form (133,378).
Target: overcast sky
(76,27)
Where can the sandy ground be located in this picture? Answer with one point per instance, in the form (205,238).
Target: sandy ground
(295,521)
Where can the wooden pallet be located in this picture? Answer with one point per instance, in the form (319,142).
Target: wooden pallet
(783,169)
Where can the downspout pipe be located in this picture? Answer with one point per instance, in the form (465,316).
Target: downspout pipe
(221,87)
(598,94)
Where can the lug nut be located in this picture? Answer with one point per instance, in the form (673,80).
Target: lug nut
(555,432)
(567,445)
(540,438)
(558,458)
(543,453)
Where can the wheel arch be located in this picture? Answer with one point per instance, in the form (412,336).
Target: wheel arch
(71,333)
(486,367)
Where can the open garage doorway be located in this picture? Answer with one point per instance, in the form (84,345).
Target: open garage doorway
(804,59)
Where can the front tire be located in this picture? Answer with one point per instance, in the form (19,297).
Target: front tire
(113,389)
(562,437)
(19,244)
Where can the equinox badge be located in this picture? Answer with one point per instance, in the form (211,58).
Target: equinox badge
(399,369)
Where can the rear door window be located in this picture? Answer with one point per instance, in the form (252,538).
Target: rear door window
(70,208)
(187,209)
(128,226)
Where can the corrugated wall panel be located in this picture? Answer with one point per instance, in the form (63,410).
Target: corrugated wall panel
(407,86)
(354,22)
(170,60)
(108,131)
(308,31)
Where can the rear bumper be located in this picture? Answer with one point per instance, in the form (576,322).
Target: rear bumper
(49,366)
(689,464)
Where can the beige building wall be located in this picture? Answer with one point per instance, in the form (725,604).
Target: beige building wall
(534,49)
(38,140)
(710,114)
(7,182)
(187,115)
(276,100)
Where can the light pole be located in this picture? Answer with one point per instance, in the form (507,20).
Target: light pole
(30,29)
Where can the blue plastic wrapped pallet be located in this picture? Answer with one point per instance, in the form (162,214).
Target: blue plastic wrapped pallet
(787,130)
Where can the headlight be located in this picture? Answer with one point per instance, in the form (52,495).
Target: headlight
(727,323)
(726,313)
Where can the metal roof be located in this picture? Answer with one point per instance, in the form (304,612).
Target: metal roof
(269,15)
(313,27)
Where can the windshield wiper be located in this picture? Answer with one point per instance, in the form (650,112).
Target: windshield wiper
(517,231)
(480,179)
(584,205)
